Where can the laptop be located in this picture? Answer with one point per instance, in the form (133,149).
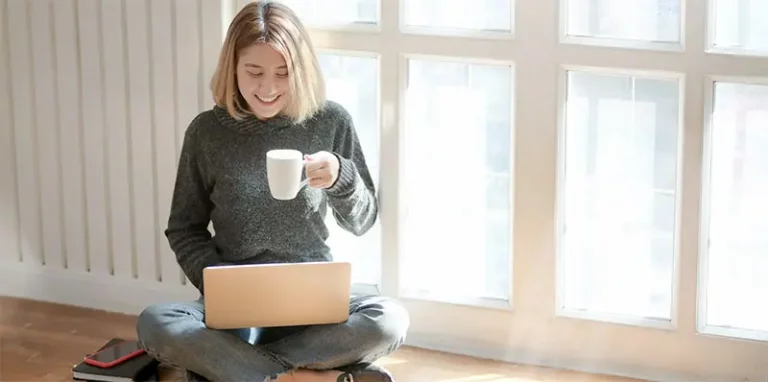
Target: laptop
(270,295)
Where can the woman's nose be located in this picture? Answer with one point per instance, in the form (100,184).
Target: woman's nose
(267,85)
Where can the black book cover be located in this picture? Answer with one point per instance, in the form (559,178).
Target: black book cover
(141,368)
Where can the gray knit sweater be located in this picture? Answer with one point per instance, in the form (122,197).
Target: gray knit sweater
(222,179)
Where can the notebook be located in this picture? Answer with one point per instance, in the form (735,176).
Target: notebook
(141,368)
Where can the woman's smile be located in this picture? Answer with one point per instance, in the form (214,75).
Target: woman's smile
(268,100)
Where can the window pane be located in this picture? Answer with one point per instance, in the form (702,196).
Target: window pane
(335,12)
(484,15)
(641,20)
(738,211)
(741,24)
(621,142)
(352,81)
(456,175)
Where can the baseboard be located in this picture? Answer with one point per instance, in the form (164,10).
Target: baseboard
(132,296)
(523,356)
(114,294)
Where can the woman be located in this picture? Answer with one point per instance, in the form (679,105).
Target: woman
(269,93)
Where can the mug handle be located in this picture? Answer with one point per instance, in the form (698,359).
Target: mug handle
(305,181)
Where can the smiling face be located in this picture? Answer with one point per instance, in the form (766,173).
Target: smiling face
(262,78)
(251,76)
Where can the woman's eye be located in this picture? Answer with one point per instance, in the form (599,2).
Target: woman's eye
(282,75)
(254,74)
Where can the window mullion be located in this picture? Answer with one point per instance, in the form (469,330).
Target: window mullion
(391,85)
(534,157)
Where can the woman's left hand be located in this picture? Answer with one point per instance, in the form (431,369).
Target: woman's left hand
(322,169)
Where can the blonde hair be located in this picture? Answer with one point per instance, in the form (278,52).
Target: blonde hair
(265,21)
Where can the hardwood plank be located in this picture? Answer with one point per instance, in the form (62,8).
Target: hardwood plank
(42,341)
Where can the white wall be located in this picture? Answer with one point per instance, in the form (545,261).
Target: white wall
(95,96)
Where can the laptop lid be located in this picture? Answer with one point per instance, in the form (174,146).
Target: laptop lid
(269,295)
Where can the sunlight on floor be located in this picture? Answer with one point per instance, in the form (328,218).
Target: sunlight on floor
(488,378)
(389,361)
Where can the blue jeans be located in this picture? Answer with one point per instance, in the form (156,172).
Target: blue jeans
(175,333)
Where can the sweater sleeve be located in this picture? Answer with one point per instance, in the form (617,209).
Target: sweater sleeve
(187,230)
(352,197)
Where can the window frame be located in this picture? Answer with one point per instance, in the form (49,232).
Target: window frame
(706,171)
(365,288)
(560,310)
(711,42)
(531,330)
(484,302)
(417,30)
(678,46)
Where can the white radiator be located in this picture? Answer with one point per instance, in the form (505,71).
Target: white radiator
(95,96)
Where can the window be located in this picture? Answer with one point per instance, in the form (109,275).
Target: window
(336,13)
(656,21)
(352,81)
(619,195)
(741,25)
(541,184)
(457,179)
(736,245)
(482,15)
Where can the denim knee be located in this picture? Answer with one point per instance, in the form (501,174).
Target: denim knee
(391,326)
(160,329)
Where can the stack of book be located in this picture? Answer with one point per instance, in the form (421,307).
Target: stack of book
(140,368)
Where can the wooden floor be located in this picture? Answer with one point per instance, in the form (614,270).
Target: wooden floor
(41,342)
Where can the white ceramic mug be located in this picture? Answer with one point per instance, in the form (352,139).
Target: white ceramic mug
(284,171)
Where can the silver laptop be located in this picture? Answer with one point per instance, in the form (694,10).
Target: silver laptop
(269,295)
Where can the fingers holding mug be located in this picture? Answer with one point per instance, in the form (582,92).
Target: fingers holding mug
(317,174)
(318,182)
(321,169)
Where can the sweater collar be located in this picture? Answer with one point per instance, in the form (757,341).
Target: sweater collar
(251,124)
